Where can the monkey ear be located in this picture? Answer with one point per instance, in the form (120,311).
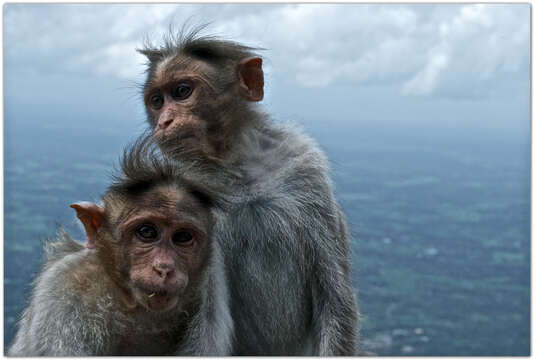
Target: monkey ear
(251,78)
(91,216)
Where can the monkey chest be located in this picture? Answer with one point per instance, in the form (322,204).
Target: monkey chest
(269,286)
(147,345)
(139,341)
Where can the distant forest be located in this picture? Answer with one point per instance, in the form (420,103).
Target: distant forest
(440,228)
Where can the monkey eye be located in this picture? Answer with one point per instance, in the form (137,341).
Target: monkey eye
(182,90)
(147,233)
(156,101)
(182,237)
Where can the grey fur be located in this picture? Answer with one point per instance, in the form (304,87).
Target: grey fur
(284,238)
(56,322)
(287,251)
(286,248)
(279,277)
(210,332)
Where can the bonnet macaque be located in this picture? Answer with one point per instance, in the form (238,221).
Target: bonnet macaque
(284,238)
(141,282)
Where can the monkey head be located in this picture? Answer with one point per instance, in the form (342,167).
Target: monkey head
(152,235)
(155,243)
(197,90)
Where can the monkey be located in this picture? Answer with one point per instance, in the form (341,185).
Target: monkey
(141,282)
(284,238)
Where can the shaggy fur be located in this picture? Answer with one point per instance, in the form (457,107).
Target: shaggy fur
(284,238)
(78,306)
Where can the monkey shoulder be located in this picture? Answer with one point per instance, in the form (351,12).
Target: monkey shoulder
(72,269)
(76,291)
(61,270)
(287,170)
(61,318)
(287,196)
(282,158)
(291,201)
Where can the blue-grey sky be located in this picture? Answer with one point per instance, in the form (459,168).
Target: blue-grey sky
(455,64)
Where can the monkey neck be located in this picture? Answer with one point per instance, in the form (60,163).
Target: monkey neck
(258,149)
(263,150)
(243,141)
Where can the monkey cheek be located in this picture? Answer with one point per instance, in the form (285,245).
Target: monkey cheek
(159,135)
(179,131)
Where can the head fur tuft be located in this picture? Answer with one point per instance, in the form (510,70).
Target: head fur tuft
(144,166)
(189,42)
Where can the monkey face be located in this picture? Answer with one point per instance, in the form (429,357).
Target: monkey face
(183,106)
(152,236)
(163,254)
(197,107)
(166,248)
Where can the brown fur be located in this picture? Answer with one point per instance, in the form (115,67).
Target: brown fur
(127,295)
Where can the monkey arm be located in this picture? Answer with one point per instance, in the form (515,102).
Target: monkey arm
(57,322)
(323,225)
(211,330)
(335,311)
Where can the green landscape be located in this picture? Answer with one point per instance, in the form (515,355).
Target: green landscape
(440,226)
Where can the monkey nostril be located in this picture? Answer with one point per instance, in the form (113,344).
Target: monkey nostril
(163,272)
(165,123)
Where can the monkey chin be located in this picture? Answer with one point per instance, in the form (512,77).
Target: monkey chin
(162,303)
(156,301)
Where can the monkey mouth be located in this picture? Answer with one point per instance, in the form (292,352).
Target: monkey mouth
(157,299)
(157,293)
(161,301)
(154,293)
(185,135)
(169,138)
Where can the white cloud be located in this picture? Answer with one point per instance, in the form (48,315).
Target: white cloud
(439,50)
(117,59)
(320,44)
(475,47)
(422,49)
(426,80)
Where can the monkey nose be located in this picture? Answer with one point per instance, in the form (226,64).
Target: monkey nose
(163,272)
(164,123)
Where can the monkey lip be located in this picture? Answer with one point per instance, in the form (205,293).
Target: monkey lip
(171,136)
(185,136)
(157,293)
(156,299)
(152,292)
(159,300)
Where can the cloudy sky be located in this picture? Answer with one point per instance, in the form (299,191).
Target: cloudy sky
(437,63)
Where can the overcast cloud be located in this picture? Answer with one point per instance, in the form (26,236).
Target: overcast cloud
(455,50)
